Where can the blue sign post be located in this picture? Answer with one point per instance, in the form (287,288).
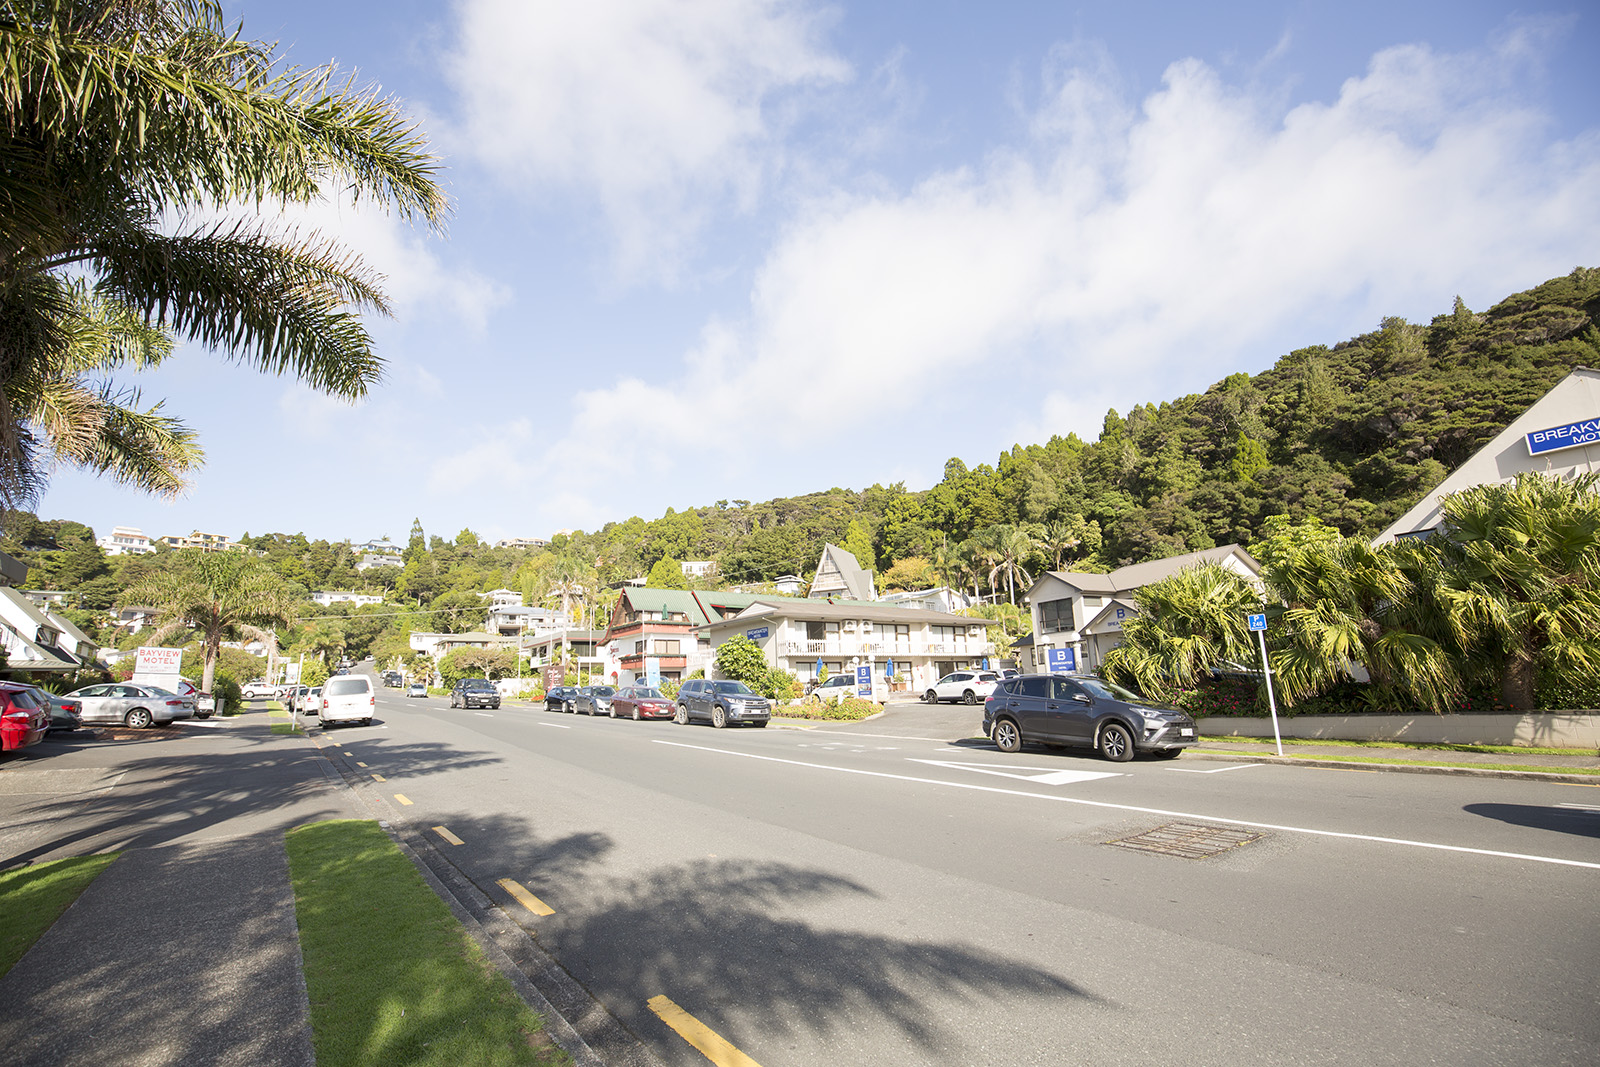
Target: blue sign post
(1061,660)
(864,681)
(1258,626)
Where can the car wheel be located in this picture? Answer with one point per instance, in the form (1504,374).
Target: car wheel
(682,716)
(366,722)
(613,711)
(636,713)
(719,716)
(1007,738)
(1116,743)
(969,697)
(202,715)
(138,719)
(1167,753)
(930,697)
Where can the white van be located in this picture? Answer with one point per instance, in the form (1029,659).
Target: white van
(347,698)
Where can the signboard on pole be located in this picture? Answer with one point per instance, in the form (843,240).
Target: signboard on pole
(291,673)
(1061,660)
(864,681)
(1258,625)
(158,666)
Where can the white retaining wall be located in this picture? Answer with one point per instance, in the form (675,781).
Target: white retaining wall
(1550,729)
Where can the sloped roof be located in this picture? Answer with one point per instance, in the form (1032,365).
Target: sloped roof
(1108,613)
(820,609)
(700,607)
(1138,575)
(65,626)
(856,578)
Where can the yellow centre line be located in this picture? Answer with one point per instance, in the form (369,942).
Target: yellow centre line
(448,836)
(379,778)
(358,762)
(525,898)
(402,798)
(713,1045)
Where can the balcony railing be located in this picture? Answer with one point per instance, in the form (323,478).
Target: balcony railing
(873,646)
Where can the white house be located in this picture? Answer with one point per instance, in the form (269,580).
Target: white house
(698,568)
(357,599)
(33,641)
(1084,612)
(522,542)
(941,599)
(841,577)
(126,541)
(437,645)
(1558,436)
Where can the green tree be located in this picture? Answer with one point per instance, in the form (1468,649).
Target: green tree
(121,117)
(742,660)
(1187,624)
(667,574)
(221,596)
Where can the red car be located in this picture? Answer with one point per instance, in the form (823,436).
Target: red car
(24,717)
(641,702)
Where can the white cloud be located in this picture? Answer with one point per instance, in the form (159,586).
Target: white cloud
(1128,252)
(659,109)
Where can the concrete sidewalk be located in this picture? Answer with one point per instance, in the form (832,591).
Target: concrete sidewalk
(185,950)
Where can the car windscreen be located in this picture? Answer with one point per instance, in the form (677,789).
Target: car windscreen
(730,687)
(604,691)
(476,683)
(647,694)
(1108,690)
(343,687)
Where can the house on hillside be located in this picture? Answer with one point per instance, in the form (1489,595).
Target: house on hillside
(1083,613)
(33,641)
(663,625)
(841,577)
(126,541)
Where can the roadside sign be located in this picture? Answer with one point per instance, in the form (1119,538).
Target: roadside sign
(1061,660)
(652,672)
(757,634)
(1572,435)
(158,666)
(864,681)
(1258,623)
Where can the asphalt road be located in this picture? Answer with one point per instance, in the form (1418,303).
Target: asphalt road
(863,894)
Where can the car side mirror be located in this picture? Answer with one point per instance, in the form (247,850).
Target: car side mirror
(1081,699)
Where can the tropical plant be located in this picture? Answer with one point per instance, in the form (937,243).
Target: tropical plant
(1187,624)
(1007,548)
(131,127)
(221,596)
(742,660)
(1521,577)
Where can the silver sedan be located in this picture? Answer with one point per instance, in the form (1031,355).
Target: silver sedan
(137,706)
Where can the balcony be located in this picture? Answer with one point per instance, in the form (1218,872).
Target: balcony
(874,646)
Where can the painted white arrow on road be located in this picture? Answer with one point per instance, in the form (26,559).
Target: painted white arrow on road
(1042,775)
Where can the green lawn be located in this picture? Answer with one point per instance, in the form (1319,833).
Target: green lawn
(394,980)
(1437,746)
(33,898)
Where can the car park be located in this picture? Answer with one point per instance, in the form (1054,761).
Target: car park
(968,687)
(721,703)
(24,716)
(137,706)
(474,693)
(347,699)
(595,700)
(561,698)
(641,702)
(417,689)
(834,690)
(1083,710)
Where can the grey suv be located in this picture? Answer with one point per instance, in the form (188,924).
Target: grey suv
(721,704)
(1080,709)
(474,693)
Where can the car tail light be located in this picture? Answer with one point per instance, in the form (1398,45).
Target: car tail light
(372,701)
(17,714)
(174,703)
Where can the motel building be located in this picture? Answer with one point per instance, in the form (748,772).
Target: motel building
(1559,436)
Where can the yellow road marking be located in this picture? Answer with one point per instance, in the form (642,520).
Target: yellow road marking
(358,762)
(448,836)
(402,798)
(525,898)
(379,778)
(713,1045)
(350,754)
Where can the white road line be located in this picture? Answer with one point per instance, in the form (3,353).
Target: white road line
(1218,770)
(1146,811)
(555,725)
(1042,775)
(483,714)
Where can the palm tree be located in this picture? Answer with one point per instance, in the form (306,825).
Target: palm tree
(221,596)
(1008,547)
(1521,576)
(120,118)
(1187,624)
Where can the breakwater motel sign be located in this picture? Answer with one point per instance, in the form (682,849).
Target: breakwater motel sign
(1571,435)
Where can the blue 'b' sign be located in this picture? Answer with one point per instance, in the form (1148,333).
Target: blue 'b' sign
(1257,622)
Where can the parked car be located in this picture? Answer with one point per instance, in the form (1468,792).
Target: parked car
(65,712)
(137,706)
(474,693)
(641,702)
(1080,709)
(257,690)
(721,703)
(347,699)
(595,700)
(417,689)
(307,701)
(969,687)
(834,689)
(24,716)
(561,698)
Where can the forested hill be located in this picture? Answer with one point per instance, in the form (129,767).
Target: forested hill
(1353,434)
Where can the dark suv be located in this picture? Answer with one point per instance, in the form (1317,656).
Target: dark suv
(474,693)
(1080,709)
(721,703)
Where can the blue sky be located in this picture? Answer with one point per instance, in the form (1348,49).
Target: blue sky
(713,249)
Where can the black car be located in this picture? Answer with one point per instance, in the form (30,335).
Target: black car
(561,698)
(1080,709)
(63,712)
(595,700)
(474,693)
(721,703)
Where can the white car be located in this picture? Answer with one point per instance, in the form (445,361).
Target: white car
(834,690)
(257,690)
(347,698)
(969,687)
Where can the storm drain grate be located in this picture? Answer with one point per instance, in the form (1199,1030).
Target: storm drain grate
(1190,840)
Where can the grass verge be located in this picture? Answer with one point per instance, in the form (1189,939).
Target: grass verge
(32,898)
(1593,771)
(1525,750)
(393,978)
